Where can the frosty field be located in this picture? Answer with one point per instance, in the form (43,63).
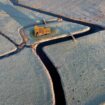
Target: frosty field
(66,67)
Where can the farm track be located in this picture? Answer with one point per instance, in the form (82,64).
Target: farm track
(57,83)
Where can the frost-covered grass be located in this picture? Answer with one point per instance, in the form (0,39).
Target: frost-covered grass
(5,46)
(58,29)
(81,66)
(8,25)
(23,81)
(89,10)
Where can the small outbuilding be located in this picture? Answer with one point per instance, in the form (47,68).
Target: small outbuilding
(41,30)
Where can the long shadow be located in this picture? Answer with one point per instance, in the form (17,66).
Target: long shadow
(57,84)
(20,17)
(99,100)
